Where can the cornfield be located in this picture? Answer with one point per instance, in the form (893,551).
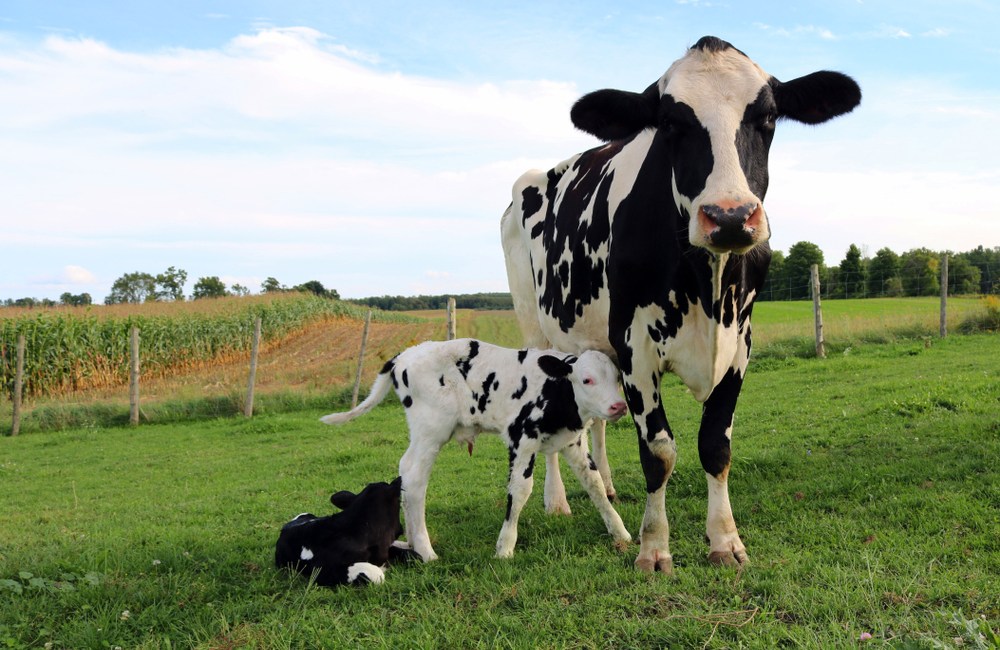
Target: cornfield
(77,349)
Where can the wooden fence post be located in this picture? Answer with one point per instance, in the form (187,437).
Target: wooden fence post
(15,426)
(817,311)
(254,347)
(133,379)
(361,360)
(452,324)
(944,295)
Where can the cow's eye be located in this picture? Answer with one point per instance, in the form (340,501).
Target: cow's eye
(588,381)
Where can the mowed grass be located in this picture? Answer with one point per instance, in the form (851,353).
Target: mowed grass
(865,485)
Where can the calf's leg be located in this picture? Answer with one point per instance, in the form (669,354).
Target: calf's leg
(522,464)
(554,495)
(586,470)
(415,469)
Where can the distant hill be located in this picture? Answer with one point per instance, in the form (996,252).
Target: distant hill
(481,301)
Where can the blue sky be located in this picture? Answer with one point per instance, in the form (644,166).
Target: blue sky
(373,147)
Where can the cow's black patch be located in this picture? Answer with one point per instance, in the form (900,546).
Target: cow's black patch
(465,363)
(521,355)
(531,202)
(713,444)
(389,365)
(558,404)
(484,398)
(406,381)
(441,380)
(530,468)
(407,401)
(593,465)
(519,393)
(395,382)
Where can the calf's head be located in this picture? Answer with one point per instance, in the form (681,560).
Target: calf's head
(714,112)
(374,512)
(595,383)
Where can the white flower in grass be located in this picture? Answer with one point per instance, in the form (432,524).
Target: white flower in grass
(156,563)
(126,615)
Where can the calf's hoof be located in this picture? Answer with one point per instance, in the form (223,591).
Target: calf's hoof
(558,509)
(662,563)
(728,558)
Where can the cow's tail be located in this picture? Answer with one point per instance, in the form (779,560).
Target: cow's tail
(381,388)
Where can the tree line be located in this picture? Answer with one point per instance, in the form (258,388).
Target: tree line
(886,274)
(139,287)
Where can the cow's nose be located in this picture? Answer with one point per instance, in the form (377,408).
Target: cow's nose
(730,224)
(617,410)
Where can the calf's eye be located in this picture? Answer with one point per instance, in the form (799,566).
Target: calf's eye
(588,381)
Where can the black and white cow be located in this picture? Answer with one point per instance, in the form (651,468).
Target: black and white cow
(653,247)
(538,401)
(349,547)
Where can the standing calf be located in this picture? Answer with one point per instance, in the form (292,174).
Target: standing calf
(538,401)
(350,547)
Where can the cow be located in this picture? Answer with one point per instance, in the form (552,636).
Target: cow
(652,247)
(350,547)
(538,401)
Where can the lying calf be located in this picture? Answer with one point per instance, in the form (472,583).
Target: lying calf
(538,401)
(350,547)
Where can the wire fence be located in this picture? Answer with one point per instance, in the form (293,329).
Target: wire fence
(834,283)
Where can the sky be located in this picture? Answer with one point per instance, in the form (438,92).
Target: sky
(372,145)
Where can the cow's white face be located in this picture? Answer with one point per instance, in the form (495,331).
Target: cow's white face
(595,384)
(720,101)
(711,118)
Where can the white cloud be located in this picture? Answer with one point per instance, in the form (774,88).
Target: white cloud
(78,275)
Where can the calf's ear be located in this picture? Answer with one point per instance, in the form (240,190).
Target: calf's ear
(817,97)
(613,114)
(343,499)
(554,366)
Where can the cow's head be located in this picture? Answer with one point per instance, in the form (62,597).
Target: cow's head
(377,506)
(595,383)
(715,111)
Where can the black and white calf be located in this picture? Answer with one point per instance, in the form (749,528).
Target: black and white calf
(538,401)
(350,547)
(652,248)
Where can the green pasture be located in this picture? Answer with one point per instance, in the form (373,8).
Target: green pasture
(865,485)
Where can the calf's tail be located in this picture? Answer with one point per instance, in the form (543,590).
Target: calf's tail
(381,387)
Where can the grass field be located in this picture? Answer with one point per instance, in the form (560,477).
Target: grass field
(866,487)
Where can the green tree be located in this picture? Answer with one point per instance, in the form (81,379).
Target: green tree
(210,287)
(883,274)
(852,273)
(801,256)
(963,277)
(271,285)
(919,270)
(239,290)
(316,287)
(75,300)
(134,287)
(171,284)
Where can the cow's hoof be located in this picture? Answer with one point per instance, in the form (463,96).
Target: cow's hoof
(663,564)
(622,545)
(612,496)
(728,558)
(558,509)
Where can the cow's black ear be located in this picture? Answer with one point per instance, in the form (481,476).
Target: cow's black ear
(817,97)
(397,484)
(343,499)
(554,366)
(613,114)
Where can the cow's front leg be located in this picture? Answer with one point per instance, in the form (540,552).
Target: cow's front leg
(522,464)
(714,438)
(586,471)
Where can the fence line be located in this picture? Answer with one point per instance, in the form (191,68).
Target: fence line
(133,380)
(361,360)
(15,425)
(254,349)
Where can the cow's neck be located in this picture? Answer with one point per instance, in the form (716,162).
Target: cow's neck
(707,343)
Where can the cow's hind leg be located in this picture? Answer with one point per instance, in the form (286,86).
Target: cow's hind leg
(415,469)
(522,463)
(586,470)
(714,439)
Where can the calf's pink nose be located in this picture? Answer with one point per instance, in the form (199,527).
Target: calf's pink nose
(617,409)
